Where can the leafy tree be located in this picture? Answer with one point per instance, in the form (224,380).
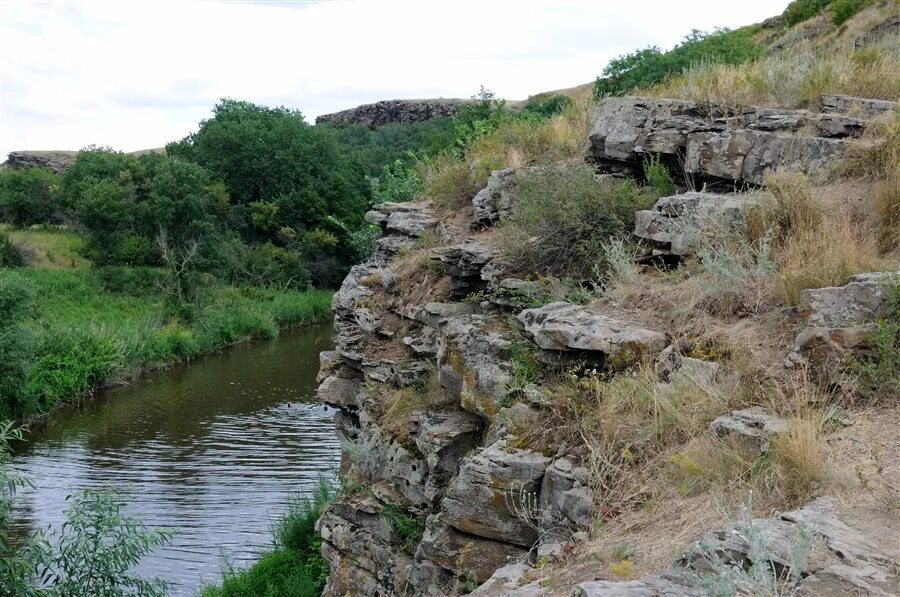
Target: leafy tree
(264,153)
(398,182)
(27,196)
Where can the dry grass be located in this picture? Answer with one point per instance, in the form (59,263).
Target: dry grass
(452,182)
(814,249)
(795,79)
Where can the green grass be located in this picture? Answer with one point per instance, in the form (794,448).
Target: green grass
(49,249)
(83,336)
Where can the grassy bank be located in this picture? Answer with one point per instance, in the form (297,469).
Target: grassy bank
(79,329)
(294,566)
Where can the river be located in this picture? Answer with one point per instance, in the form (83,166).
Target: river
(214,450)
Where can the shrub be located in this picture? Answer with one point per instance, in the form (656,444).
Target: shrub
(451,183)
(11,254)
(657,176)
(269,266)
(561,217)
(648,66)
(27,196)
(801,10)
(842,10)
(408,526)
(548,105)
(398,182)
(879,375)
(99,545)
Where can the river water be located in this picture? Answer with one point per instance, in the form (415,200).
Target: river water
(213,450)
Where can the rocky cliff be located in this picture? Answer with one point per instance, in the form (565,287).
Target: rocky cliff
(394,112)
(443,495)
(55,161)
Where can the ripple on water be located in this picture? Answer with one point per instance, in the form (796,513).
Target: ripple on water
(214,450)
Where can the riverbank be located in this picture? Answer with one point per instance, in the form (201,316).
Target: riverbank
(83,329)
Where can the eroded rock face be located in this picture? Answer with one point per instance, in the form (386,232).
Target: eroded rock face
(736,145)
(493,489)
(472,363)
(394,111)
(649,586)
(494,200)
(565,495)
(406,219)
(678,224)
(464,263)
(838,322)
(566,327)
(466,554)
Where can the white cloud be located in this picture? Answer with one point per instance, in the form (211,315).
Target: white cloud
(139,74)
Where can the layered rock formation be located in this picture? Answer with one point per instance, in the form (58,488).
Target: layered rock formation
(55,161)
(718,144)
(394,112)
(427,376)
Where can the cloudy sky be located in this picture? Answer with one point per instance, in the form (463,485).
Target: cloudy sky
(135,74)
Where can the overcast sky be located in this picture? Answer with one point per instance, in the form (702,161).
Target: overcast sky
(136,75)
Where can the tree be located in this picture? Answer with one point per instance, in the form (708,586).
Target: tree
(27,196)
(263,154)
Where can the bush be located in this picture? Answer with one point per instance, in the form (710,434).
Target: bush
(842,10)
(398,182)
(451,183)
(561,218)
(11,254)
(649,66)
(269,266)
(879,375)
(657,176)
(801,10)
(548,105)
(27,196)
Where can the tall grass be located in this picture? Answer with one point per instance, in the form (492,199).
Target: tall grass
(85,336)
(452,181)
(794,79)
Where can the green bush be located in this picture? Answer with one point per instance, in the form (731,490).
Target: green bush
(879,375)
(11,254)
(409,527)
(398,182)
(657,176)
(801,10)
(561,218)
(548,106)
(648,66)
(27,196)
(842,10)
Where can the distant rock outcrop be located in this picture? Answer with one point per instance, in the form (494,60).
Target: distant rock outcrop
(55,161)
(394,111)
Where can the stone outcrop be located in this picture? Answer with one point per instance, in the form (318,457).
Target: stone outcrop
(394,112)
(837,323)
(751,428)
(440,411)
(860,107)
(55,161)
(677,225)
(714,142)
(566,327)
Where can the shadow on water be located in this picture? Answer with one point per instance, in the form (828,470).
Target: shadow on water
(214,449)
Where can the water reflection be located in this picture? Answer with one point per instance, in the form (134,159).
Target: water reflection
(213,449)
